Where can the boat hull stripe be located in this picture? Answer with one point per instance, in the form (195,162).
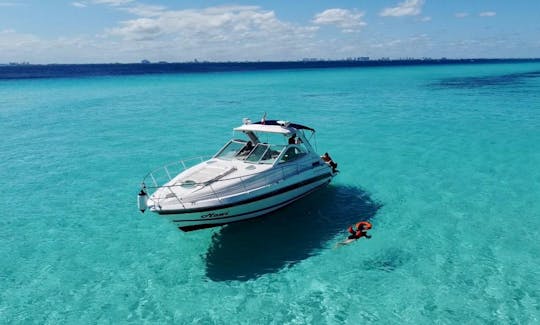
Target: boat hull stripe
(250,200)
(275,206)
(212,225)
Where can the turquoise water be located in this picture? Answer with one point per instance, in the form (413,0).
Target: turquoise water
(444,161)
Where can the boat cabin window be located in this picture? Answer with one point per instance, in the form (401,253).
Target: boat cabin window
(231,149)
(265,153)
(293,153)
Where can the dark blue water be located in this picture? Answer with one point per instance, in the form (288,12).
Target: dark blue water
(90,70)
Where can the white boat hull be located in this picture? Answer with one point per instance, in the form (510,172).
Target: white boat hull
(245,207)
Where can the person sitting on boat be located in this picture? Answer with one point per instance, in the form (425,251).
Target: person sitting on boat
(327,159)
(246,149)
(292,139)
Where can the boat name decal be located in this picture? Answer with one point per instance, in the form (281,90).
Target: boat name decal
(214,215)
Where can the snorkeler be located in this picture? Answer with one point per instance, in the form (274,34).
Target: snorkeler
(356,232)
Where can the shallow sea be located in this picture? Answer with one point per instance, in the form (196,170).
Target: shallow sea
(443,160)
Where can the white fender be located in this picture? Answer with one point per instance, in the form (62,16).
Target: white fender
(142,198)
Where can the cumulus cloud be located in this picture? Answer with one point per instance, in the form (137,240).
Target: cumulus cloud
(214,33)
(345,19)
(461,14)
(218,23)
(406,8)
(228,32)
(487,14)
(138,29)
(158,33)
(224,19)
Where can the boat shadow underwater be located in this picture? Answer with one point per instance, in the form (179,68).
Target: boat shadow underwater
(249,249)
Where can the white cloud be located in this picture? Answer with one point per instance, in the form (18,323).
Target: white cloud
(229,33)
(461,14)
(112,2)
(386,44)
(425,19)
(215,33)
(146,10)
(421,37)
(216,22)
(412,42)
(11,39)
(79,4)
(406,8)
(487,14)
(138,29)
(157,33)
(345,19)
(10,4)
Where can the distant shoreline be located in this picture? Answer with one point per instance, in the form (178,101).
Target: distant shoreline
(31,71)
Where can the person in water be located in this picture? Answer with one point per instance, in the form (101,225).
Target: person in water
(356,232)
(361,230)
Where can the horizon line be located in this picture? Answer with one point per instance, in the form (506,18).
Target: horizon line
(303,60)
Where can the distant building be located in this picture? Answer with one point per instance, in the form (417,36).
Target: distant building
(359,58)
(19,63)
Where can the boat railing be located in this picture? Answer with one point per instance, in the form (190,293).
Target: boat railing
(158,178)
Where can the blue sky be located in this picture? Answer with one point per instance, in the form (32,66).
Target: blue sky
(95,31)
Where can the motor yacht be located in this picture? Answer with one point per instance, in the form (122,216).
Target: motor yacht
(265,166)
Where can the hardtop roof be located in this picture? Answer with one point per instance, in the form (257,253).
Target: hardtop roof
(273,126)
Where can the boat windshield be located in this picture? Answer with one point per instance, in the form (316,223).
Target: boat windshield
(265,153)
(293,152)
(230,150)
